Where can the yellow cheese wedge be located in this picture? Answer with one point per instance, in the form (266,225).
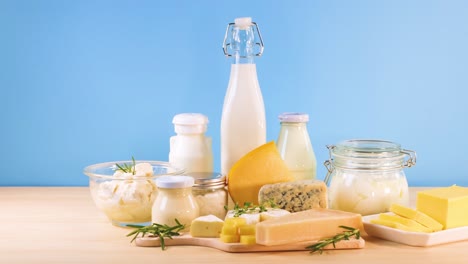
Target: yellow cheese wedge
(309,225)
(206,226)
(417,216)
(247,239)
(448,205)
(261,166)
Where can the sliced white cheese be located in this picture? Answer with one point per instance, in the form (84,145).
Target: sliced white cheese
(272,213)
(250,219)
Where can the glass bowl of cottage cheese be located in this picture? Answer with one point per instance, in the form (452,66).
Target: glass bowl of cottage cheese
(125,190)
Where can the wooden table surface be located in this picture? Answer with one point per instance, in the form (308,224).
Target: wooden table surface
(62,225)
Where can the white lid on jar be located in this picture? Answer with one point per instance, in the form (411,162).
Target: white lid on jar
(174,182)
(190,123)
(294,117)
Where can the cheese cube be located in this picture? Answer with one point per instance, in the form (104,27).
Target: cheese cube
(247,239)
(448,205)
(295,196)
(229,230)
(247,230)
(235,221)
(309,225)
(206,226)
(229,238)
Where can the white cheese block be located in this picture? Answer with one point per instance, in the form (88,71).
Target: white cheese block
(257,217)
(250,219)
(272,214)
(206,226)
(295,196)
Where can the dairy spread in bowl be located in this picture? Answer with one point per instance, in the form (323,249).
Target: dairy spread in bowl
(125,191)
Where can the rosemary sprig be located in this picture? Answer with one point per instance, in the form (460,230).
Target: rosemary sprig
(248,208)
(161,231)
(348,233)
(127,168)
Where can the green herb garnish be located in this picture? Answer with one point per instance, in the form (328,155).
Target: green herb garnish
(127,168)
(161,231)
(248,208)
(348,233)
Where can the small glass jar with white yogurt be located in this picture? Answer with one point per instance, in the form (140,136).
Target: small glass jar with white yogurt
(211,193)
(175,201)
(366,176)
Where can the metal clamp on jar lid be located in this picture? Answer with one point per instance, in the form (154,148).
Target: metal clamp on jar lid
(368,154)
(208,180)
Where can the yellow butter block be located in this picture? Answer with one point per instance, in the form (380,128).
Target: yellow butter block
(248,239)
(391,224)
(447,205)
(229,238)
(411,224)
(235,221)
(417,216)
(247,230)
(229,230)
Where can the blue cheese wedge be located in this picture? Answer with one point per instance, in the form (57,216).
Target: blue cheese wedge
(294,196)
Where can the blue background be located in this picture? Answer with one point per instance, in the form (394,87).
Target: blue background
(84,82)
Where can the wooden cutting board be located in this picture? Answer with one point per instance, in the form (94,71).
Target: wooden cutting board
(187,240)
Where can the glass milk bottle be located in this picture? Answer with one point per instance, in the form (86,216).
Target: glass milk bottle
(295,147)
(191,149)
(243,124)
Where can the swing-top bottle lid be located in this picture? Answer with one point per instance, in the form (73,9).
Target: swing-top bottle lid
(190,123)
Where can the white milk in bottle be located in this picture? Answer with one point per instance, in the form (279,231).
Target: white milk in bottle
(295,146)
(243,125)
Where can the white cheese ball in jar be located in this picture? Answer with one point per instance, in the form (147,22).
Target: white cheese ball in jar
(367,177)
